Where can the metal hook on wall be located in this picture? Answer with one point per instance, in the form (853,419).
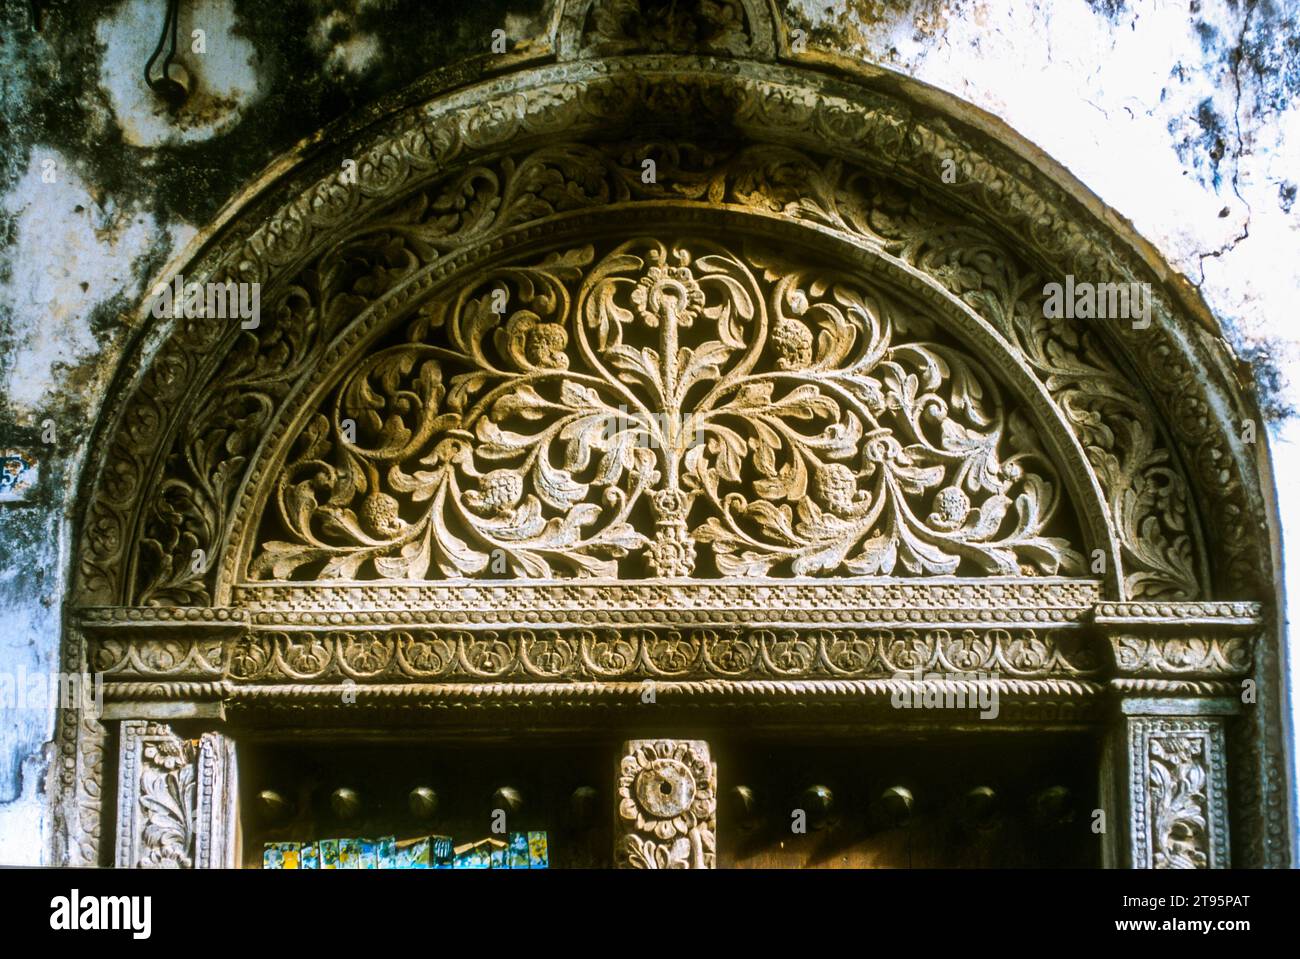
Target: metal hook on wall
(173,84)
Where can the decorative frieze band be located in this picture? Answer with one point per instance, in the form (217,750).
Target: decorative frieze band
(1205,656)
(825,635)
(1165,646)
(523,655)
(1134,614)
(624,602)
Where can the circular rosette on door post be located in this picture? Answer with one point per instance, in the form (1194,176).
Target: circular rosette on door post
(667,804)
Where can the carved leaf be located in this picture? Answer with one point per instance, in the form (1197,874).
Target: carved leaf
(618,415)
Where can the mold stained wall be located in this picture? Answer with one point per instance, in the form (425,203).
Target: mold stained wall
(1182,116)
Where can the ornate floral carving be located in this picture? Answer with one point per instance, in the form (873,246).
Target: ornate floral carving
(157,657)
(1178,803)
(333,206)
(539,434)
(175,457)
(1205,655)
(1179,789)
(756,177)
(667,791)
(157,795)
(167,796)
(667,651)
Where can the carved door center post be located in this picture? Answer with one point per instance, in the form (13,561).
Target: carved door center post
(783,433)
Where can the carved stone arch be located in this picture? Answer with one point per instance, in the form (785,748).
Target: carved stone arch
(270,252)
(1140,424)
(658,218)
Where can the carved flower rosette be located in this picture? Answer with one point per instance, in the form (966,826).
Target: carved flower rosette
(668,409)
(667,796)
(167,799)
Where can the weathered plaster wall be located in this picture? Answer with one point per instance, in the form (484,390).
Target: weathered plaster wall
(100,187)
(1182,116)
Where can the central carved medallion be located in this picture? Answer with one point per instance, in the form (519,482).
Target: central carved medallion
(667,409)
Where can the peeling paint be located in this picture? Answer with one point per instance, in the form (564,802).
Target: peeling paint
(23,817)
(75,252)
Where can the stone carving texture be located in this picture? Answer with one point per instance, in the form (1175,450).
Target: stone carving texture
(216,819)
(79,799)
(627,653)
(157,797)
(1179,656)
(795,420)
(1179,793)
(586,601)
(179,457)
(254,255)
(1152,524)
(667,805)
(81,780)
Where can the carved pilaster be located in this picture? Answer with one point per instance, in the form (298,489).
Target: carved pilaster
(1179,670)
(1177,795)
(156,797)
(667,809)
(215,828)
(79,799)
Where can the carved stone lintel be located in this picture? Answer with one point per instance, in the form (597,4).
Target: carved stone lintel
(156,797)
(1177,792)
(667,809)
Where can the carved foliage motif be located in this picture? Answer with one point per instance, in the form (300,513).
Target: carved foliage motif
(1178,802)
(629,653)
(157,798)
(667,805)
(160,657)
(1179,791)
(793,419)
(1114,422)
(1183,655)
(175,799)
(1118,432)
(181,440)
